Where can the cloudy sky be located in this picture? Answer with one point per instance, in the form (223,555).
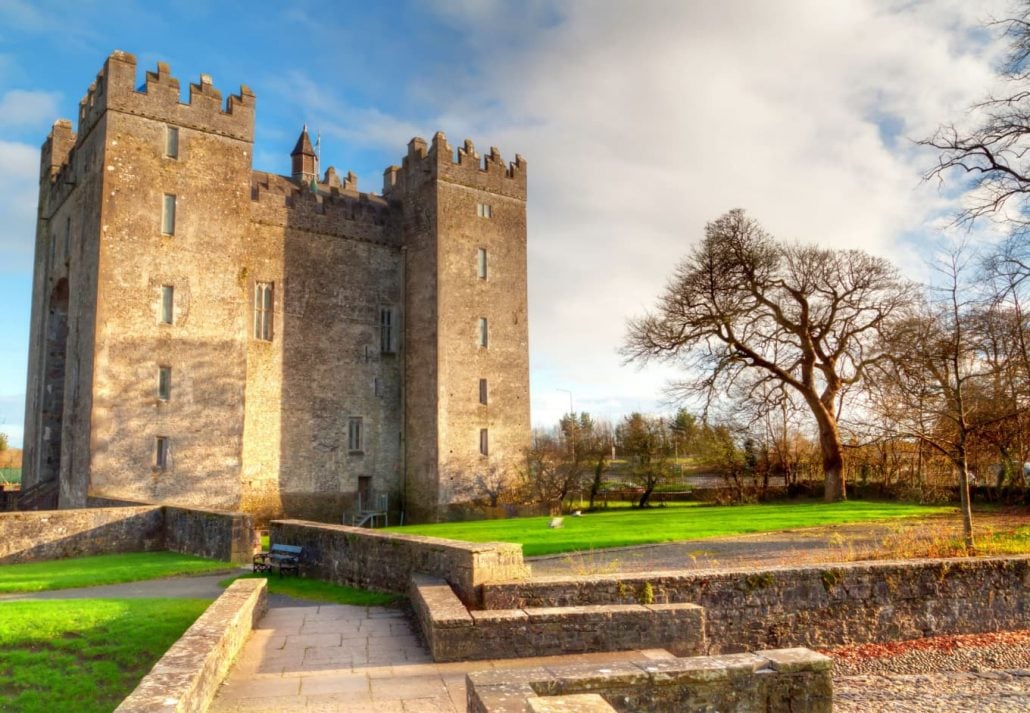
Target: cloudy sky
(640,122)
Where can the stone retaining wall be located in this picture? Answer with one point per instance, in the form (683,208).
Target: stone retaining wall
(57,534)
(187,677)
(751,609)
(385,561)
(779,681)
(38,535)
(453,633)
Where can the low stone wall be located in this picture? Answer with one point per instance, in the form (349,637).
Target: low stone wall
(38,535)
(385,561)
(779,681)
(57,534)
(749,609)
(453,633)
(187,677)
(209,533)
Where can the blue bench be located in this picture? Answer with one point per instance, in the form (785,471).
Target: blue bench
(285,558)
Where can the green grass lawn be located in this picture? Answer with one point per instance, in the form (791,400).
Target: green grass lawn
(619,527)
(319,591)
(102,569)
(84,655)
(11,475)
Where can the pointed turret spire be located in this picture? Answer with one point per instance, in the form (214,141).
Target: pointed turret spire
(305,162)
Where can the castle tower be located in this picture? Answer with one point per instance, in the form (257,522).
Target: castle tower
(136,377)
(304,161)
(209,335)
(467,362)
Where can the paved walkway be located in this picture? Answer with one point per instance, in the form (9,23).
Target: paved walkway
(204,586)
(345,658)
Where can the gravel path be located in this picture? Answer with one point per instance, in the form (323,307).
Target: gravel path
(975,672)
(830,543)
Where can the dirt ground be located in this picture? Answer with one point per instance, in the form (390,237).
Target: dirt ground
(816,545)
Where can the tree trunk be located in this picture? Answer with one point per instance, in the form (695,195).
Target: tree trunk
(966,505)
(645,496)
(833,458)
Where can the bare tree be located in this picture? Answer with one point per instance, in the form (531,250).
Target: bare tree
(743,305)
(646,443)
(938,386)
(994,155)
(553,471)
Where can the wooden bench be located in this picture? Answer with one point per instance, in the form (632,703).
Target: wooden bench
(285,558)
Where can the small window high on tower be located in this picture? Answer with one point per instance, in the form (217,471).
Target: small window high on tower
(172,141)
(168,215)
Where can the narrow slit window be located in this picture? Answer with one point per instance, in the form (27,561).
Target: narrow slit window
(161,452)
(167,304)
(481,265)
(168,215)
(386,336)
(172,142)
(484,442)
(483,392)
(263,293)
(164,383)
(484,336)
(355,436)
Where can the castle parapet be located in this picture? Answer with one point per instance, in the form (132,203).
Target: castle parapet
(332,210)
(438,160)
(159,98)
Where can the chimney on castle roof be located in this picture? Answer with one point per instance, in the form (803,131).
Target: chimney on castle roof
(305,162)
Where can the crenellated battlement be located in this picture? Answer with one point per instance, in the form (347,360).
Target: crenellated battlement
(158,98)
(336,208)
(437,160)
(65,158)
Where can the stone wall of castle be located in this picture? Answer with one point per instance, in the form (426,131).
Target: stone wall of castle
(197,253)
(366,379)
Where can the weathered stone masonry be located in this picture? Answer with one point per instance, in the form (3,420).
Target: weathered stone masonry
(154,240)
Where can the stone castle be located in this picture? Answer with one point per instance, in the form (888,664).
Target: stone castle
(211,335)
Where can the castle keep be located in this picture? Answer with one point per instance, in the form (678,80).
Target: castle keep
(207,334)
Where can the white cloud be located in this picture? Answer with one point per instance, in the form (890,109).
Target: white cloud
(642,122)
(21,107)
(19,193)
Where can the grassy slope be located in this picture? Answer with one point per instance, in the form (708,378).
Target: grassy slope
(84,655)
(102,569)
(319,591)
(679,521)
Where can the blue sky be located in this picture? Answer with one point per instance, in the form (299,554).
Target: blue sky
(640,122)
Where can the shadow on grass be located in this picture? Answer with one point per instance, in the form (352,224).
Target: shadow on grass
(84,655)
(319,591)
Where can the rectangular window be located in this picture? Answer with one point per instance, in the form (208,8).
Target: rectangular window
(483,210)
(168,215)
(481,263)
(376,389)
(167,304)
(164,383)
(161,452)
(484,442)
(172,141)
(386,340)
(263,311)
(354,435)
(484,339)
(482,391)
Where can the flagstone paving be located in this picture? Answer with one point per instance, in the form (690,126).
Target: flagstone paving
(346,658)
